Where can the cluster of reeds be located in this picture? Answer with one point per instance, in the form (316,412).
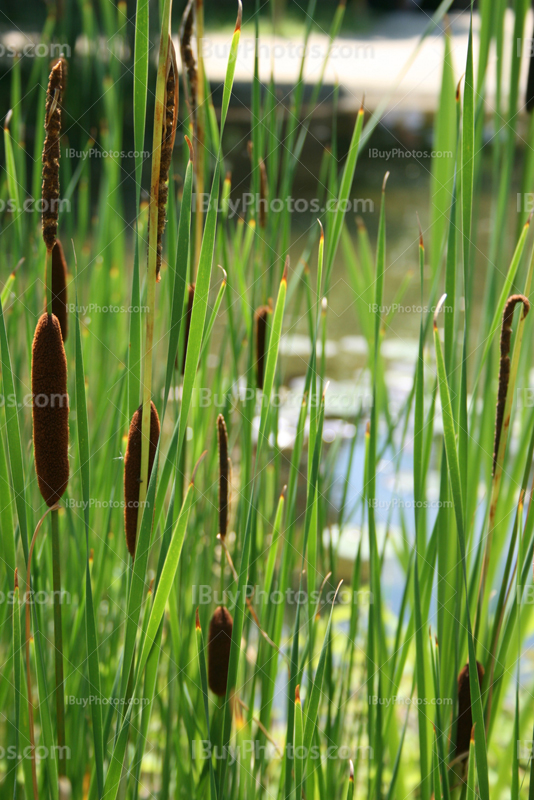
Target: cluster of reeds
(291,662)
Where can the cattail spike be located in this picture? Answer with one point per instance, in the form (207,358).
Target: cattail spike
(264,193)
(132,470)
(51,151)
(224,470)
(219,642)
(168,135)
(262,317)
(529,100)
(465,716)
(189,62)
(50,409)
(59,287)
(504,366)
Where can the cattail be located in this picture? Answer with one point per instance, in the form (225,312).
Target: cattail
(189,63)
(224,475)
(59,287)
(132,470)
(465,716)
(167,145)
(50,409)
(504,366)
(50,187)
(264,191)
(219,641)
(262,317)
(187,321)
(529,102)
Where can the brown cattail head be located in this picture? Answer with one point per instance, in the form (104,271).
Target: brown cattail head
(50,409)
(504,366)
(465,716)
(262,320)
(189,63)
(50,187)
(219,641)
(59,287)
(168,134)
(187,321)
(132,470)
(224,475)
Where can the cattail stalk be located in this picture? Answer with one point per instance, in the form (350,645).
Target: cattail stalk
(59,287)
(159,112)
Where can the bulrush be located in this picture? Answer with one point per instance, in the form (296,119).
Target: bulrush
(219,641)
(504,367)
(50,187)
(132,470)
(187,321)
(465,716)
(59,287)
(189,63)
(262,317)
(224,475)
(50,409)
(529,100)
(167,145)
(264,192)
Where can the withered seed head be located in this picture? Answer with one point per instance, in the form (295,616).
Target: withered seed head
(262,317)
(50,409)
(224,474)
(50,187)
(504,367)
(132,470)
(465,716)
(167,145)
(187,321)
(59,287)
(189,63)
(219,641)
